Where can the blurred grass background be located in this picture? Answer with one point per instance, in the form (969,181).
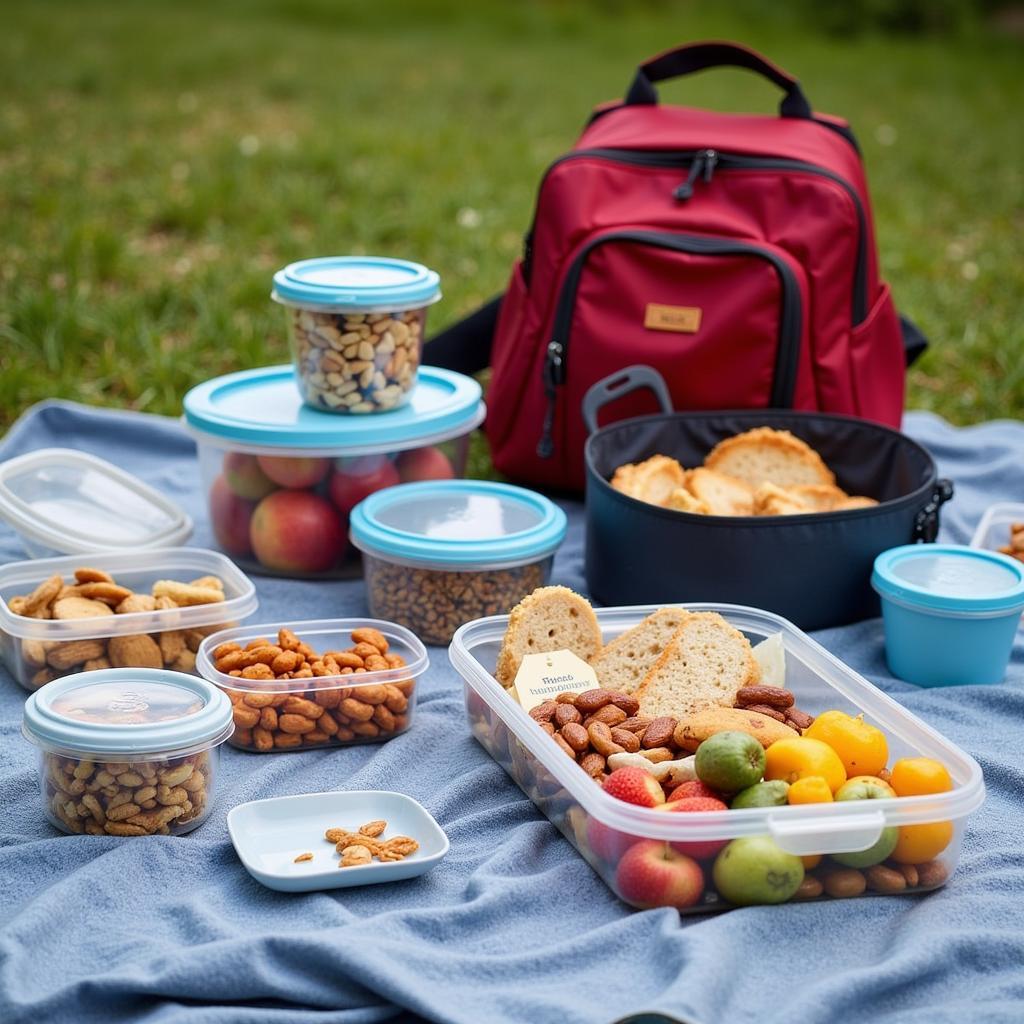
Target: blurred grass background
(159,161)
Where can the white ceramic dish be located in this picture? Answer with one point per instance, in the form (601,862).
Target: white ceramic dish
(269,834)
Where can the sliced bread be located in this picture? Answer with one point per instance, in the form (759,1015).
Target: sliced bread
(683,501)
(652,480)
(706,663)
(764,455)
(724,495)
(623,664)
(549,619)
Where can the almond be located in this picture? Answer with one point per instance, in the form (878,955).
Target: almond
(135,651)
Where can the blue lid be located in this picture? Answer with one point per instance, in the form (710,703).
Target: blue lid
(458,524)
(949,577)
(135,711)
(357,283)
(263,407)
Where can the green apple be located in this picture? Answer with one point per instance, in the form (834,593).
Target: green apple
(754,870)
(863,789)
(874,854)
(763,794)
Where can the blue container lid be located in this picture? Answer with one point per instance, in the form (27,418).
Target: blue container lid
(949,578)
(130,711)
(263,408)
(458,524)
(362,284)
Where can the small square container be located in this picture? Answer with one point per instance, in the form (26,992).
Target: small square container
(62,501)
(127,752)
(628,846)
(281,478)
(357,705)
(950,612)
(356,328)
(993,532)
(437,554)
(39,650)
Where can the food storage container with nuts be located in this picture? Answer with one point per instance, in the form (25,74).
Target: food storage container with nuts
(356,328)
(280,477)
(335,682)
(1002,529)
(862,842)
(437,554)
(127,751)
(116,609)
(62,501)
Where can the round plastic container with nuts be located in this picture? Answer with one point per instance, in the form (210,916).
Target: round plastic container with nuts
(333,682)
(356,329)
(127,751)
(438,554)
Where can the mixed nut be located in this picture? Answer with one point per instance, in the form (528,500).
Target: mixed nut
(1015,547)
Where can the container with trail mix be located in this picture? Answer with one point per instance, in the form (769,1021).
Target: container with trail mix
(127,751)
(440,553)
(356,327)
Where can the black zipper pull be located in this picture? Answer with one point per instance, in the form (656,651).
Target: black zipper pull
(710,162)
(684,191)
(552,378)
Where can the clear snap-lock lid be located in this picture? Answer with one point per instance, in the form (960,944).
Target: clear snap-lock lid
(458,524)
(363,284)
(130,711)
(949,578)
(70,502)
(261,411)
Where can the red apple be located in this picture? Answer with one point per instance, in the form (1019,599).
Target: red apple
(691,805)
(693,788)
(297,531)
(348,489)
(428,463)
(295,472)
(635,786)
(652,874)
(608,843)
(229,517)
(245,477)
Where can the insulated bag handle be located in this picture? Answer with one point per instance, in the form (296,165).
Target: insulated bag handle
(617,385)
(685,60)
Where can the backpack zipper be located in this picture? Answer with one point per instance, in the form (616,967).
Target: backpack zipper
(727,161)
(790,323)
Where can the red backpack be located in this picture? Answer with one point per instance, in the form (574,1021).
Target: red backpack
(734,253)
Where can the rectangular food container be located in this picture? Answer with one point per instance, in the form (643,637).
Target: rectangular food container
(603,829)
(38,650)
(993,532)
(281,478)
(358,705)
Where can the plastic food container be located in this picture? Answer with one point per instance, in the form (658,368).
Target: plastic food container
(604,829)
(38,650)
(950,613)
(993,532)
(366,701)
(356,327)
(280,478)
(438,554)
(62,501)
(128,752)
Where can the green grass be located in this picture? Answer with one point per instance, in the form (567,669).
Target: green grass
(159,161)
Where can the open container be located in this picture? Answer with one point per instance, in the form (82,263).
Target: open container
(993,532)
(278,714)
(438,554)
(38,650)
(950,612)
(603,829)
(356,327)
(281,478)
(62,501)
(128,752)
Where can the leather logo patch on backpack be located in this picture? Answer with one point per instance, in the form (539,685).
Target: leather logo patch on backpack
(682,319)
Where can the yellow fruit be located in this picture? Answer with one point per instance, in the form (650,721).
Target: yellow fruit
(918,776)
(861,747)
(811,861)
(920,843)
(811,789)
(796,758)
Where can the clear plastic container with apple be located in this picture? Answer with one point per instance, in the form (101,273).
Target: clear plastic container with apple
(280,477)
(650,858)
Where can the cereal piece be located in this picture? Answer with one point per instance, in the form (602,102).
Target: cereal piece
(43,596)
(185,594)
(257,671)
(371,636)
(136,603)
(185,662)
(135,651)
(211,582)
(373,828)
(355,856)
(80,608)
(87,574)
(33,653)
(172,643)
(109,593)
(303,857)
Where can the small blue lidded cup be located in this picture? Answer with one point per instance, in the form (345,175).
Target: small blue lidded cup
(950,612)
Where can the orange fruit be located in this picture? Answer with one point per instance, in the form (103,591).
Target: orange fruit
(918,776)
(861,747)
(920,843)
(796,758)
(811,789)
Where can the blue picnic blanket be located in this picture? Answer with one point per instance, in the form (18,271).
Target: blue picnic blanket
(513,925)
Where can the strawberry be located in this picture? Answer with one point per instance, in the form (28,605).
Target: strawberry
(694,804)
(634,786)
(693,788)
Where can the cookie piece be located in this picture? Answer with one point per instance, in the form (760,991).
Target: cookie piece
(723,495)
(770,500)
(624,663)
(42,597)
(549,619)
(856,501)
(80,608)
(186,594)
(693,730)
(705,664)
(652,480)
(683,501)
(764,455)
(819,497)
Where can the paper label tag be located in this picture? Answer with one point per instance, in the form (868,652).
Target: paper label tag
(542,677)
(683,319)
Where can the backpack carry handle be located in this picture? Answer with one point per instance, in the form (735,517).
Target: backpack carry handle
(686,60)
(620,384)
